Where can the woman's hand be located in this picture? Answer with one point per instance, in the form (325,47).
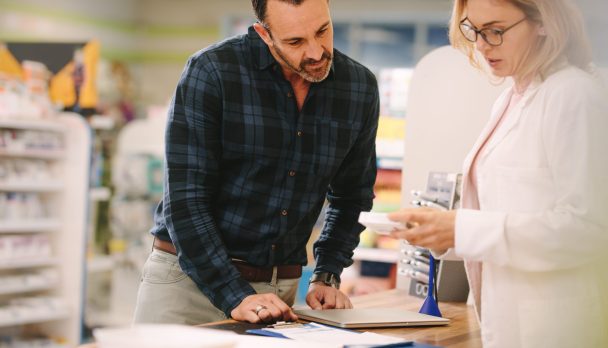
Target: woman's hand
(431,229)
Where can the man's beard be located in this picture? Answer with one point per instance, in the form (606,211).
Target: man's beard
(315,75)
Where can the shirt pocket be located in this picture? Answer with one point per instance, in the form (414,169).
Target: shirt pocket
(524,190)
(333,141)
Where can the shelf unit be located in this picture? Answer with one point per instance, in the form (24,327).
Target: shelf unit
(37,318)
(64,223)
(32,186)
(28,263)
(28,226)
(24,288)
(37,154)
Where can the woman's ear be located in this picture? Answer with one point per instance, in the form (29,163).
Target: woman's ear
(263,32)
(542,31)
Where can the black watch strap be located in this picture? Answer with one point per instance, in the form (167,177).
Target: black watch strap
(326,278)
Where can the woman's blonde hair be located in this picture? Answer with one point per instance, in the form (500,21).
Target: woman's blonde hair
(565,39)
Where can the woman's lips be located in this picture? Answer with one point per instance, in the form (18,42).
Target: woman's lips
(493,62)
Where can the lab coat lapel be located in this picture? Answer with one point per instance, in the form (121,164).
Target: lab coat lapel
(468,197)
(499,108)
(513,118)
(469,200)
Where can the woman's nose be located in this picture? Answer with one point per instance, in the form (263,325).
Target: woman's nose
(481,44)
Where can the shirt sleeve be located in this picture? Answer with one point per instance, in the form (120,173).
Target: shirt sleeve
(193,150)
(574,230)
(351,191)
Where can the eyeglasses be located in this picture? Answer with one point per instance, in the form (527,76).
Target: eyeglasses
(492,36)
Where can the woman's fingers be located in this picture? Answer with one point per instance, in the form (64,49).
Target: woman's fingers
(432,229)
(414,233)
(414,217)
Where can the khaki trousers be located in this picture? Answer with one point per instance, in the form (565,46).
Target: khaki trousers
(167,295)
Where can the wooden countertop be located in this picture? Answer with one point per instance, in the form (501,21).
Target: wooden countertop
(462,332)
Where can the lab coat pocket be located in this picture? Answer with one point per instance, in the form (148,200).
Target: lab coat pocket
(558,322)
(524,190)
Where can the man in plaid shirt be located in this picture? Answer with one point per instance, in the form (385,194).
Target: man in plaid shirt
(263,128)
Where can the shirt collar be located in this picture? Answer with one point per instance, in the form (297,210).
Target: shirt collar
(263,59)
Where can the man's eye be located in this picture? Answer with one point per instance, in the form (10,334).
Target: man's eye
(496,31)
(322,31)
(294,43)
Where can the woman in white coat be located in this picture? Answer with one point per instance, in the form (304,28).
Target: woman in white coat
(533,226)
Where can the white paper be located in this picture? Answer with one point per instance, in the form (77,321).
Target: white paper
(314,332)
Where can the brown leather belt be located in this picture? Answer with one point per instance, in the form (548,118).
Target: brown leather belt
(248,272)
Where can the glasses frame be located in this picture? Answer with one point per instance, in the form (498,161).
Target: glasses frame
(481,32)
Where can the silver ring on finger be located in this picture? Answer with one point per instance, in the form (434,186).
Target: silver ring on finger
(259,308)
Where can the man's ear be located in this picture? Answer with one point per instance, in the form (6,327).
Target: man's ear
(264,34)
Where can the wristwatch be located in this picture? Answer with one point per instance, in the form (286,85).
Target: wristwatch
(326,278)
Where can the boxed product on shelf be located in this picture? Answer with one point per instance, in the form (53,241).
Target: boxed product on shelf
(25,170)
(42,278)
(23,247)
(27,98)
(20,206)
(15,101)
(31,309)
(12,342)
(39,304)
(22,140)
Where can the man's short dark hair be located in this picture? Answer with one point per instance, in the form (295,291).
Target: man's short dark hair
(259,7)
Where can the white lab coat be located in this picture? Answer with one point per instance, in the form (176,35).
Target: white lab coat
(534,235)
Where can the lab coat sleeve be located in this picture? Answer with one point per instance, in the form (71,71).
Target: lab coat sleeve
(446,255)
(574,231)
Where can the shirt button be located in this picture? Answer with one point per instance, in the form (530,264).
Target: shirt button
(292,173)
(289,94)
(284,212)
(300,133)
(273,247)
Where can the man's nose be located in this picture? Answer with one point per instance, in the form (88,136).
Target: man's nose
(314,51)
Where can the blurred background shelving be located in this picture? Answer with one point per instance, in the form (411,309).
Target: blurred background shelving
(41,257)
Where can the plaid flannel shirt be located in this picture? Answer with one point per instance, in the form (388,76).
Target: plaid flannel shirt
(247,173)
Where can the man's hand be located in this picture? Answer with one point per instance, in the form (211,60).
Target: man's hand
(270,308)
(321,296)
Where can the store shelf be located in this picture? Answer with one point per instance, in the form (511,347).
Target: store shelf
(33,153)
(32,124)
(65,142)
(27,226)
(377,255)
(35,319)
(28,263)
(24,288)
(32,186)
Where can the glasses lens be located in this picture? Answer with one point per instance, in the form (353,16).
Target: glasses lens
(492,36)
(468,32)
